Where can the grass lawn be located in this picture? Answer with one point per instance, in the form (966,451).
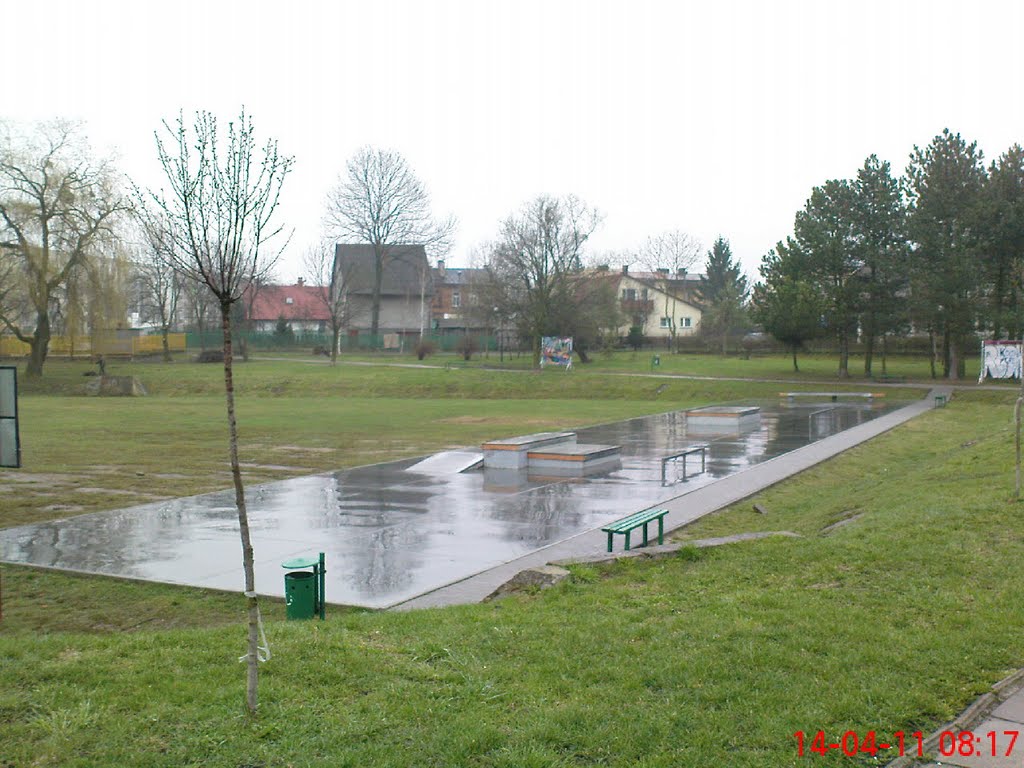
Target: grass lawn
(813,367)
(711,658)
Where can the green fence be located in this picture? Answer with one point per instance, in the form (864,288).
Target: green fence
(361,342)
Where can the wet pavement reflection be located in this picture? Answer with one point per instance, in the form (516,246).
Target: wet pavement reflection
(390,534)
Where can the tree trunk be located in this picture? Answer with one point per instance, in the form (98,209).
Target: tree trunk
(335,343)
(378,282)
(166,344)
(844,355)
(796,368)
(931,338)
(252,659)
(39,345)
(945,353)
(869,352)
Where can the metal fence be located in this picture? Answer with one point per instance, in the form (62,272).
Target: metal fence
(361,342)
(110,343)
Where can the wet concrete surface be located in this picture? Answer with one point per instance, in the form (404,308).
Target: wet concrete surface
(391,534)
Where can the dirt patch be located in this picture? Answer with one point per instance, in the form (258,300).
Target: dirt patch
(302,449)
(275,467)
(63,508)
(113,491)
(43,478)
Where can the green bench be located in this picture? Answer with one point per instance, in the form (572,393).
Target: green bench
(638,519)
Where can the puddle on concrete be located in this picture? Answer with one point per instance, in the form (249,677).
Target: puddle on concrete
(390,534)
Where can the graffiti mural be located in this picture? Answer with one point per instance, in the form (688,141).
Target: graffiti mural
(555,350)
(1000,360)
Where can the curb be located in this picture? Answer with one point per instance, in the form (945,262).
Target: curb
(975,713)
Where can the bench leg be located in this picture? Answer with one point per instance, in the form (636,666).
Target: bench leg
(645,534)
(661,529)
(609,541)
(627,539)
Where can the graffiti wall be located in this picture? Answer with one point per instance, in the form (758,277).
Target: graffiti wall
(556,350)
(1000,360)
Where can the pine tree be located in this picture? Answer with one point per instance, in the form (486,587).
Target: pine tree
(946,180)
(723,294)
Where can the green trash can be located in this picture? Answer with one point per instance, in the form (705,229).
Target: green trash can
(304,590)
(300,594)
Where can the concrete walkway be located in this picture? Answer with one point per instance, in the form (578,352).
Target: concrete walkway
(683,509)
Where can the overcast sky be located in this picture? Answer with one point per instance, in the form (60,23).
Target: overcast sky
(715,117)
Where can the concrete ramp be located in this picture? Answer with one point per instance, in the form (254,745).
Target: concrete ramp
(448,463)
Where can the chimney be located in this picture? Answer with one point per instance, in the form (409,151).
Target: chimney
(300,282)
(681,273)
(663,271)
(440,267)
(625,269)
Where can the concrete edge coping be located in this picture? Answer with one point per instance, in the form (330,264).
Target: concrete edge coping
(664,550)
(976,712)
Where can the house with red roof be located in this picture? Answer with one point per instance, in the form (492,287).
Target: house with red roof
(302,306)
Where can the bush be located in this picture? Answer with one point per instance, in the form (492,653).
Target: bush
(424,348)
(210,356)
(466,346)
(635,339)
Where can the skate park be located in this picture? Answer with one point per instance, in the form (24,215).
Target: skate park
(452,526)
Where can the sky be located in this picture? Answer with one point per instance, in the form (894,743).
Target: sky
(715,118)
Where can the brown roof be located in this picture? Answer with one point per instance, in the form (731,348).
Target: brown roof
(405,267)
(292,302)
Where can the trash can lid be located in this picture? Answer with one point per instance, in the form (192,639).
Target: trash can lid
(301,562)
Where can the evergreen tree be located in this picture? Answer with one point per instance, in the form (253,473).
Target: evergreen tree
(786,302)
(720,272)
(946,180)
(723,294)
(824,233)
(879,222)
(1002,214)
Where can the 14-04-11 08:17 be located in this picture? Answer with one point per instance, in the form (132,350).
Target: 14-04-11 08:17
(962,743)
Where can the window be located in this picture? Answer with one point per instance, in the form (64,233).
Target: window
(289,300)
(456,300)
(686,322)
(666,322)
(643,294)
(629,294)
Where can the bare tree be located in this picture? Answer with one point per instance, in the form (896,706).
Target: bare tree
(158,281)
(198,303)
(220,209)
(332,278)
(533,265)
(56,205)
(380,201)
(669,256)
